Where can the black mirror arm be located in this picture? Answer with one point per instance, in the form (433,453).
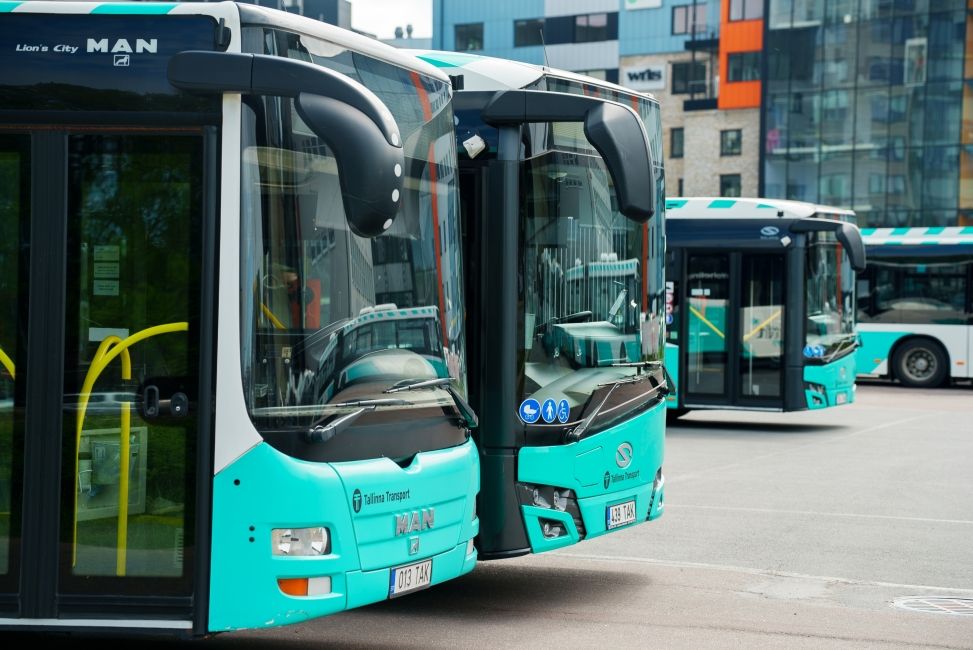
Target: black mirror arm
(615,131)
(349,117)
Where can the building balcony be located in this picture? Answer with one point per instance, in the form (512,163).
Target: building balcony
(708,42)
(701,104)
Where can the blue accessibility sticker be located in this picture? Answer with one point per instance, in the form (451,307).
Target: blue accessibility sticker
(549,410)
(563,411)
(530,410)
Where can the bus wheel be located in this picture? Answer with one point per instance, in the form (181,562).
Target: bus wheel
(921,363)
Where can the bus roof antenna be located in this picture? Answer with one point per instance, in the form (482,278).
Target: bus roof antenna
(547,64)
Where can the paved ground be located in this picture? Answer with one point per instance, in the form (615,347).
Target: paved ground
(781,530)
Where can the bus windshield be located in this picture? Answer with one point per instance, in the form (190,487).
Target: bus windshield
(332,320)
(830,295)
(590,311)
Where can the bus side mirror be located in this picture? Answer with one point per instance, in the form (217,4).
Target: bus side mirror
(349,117)
(615,131)
(850,237)
(370,170)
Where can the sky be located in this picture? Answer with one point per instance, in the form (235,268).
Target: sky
(381,17)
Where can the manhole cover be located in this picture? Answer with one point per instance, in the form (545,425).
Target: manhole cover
(937,605)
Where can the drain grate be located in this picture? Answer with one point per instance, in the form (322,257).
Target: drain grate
(936,605)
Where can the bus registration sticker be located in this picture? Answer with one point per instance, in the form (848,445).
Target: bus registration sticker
(408,578)
(620,514)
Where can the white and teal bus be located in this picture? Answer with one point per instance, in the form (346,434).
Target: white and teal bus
(233,345)
(561,189)
(760,304)
(915,305)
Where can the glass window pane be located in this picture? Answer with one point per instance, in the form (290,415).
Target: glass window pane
(731,142)
(134,209)
(780,13)
(528,32)
(14,230)
(676,143)
(761,325)
(730,184)
(707,298)
(940,179)
(469,37)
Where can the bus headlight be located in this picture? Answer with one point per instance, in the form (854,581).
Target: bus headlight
(300,542)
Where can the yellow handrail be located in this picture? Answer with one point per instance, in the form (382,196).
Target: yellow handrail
(762,325)
(8,363)
(110,348)
(700,316)
(271,317)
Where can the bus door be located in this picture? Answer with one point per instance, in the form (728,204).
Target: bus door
(102,417)
(733,329)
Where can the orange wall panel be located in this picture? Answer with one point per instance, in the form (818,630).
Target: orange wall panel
(738,36)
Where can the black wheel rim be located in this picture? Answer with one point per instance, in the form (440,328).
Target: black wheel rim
(920,364)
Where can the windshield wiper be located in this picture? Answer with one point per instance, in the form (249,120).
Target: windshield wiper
(330,430)
(413,384)
(318,433)
(440,382)
(848,341)
(579,430)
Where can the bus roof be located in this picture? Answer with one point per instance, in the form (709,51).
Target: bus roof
(491,73)
(249,13)
(753,208)
(919,236)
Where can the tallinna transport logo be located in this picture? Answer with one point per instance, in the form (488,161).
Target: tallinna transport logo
(356,500)
(623,455)
(608,479)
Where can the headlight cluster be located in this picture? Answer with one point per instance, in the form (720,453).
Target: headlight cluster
(300,542)
(552,498)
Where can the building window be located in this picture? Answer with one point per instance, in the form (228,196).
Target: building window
(729,184)
(683,19)
(743,66)
(731,142)
(528,32)
(746,9)
(675,143)
(593,27)
(688,77)
(469,37)
(679,185)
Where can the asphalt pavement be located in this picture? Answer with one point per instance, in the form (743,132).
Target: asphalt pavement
(782,530)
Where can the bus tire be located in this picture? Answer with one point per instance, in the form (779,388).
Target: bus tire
(921,363)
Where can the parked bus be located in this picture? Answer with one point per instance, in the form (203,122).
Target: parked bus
(760,298)
(915,305)
(247,221)
(563,243)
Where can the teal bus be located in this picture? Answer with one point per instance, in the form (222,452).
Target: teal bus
(233,357)
(561,194)
(760,304)
(915,305)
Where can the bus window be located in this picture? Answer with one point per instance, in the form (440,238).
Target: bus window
(917,291)
(830,295)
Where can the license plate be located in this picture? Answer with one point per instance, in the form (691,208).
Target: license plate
(620,514)
(842,398)
(408,578)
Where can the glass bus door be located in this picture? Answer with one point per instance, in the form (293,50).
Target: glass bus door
(707,303)
(760,338)
(733,329)
(100,409)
